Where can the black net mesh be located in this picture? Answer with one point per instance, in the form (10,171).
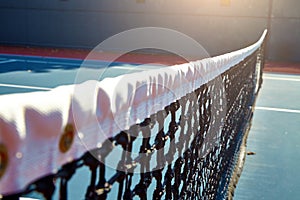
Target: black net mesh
(193,143)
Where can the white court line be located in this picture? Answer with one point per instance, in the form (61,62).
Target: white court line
(48,62)
(24,86)
(7,61)
(277,109)
(281,79)
(40,62)
(83,64)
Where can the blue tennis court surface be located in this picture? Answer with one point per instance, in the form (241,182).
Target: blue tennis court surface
(32,73)
(273,172)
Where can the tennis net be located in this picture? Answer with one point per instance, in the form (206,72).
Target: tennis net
(178,138)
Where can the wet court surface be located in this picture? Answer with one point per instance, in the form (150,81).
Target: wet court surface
(273,172)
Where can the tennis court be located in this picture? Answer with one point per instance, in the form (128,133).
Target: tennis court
(180,127)
(266,174)
(273,172)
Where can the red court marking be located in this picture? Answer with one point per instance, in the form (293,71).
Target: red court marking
(282,67)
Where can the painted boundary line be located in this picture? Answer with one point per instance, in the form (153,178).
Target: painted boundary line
(277,109)
(24,86)
(8,61)
(281,78)
(90,64)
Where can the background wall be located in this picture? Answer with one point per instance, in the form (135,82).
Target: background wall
(219,25)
